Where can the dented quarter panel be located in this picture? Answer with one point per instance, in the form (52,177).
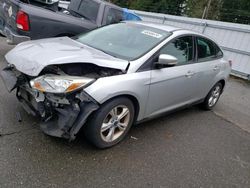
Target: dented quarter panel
(33,56)
(134,84)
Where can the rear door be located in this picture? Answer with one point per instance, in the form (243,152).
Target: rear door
(208,66)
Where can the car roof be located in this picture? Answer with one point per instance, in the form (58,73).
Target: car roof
(164,27)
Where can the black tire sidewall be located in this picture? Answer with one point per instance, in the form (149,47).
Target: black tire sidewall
(92,130)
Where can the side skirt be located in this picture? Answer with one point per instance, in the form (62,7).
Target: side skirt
(168,112)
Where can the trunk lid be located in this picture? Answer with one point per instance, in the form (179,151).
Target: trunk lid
(32,57)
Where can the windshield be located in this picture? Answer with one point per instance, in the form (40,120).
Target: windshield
(124,40)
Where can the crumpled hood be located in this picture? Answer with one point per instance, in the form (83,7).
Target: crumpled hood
(32,57)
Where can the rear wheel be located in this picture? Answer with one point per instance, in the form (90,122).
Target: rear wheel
(110,124)
(212,97)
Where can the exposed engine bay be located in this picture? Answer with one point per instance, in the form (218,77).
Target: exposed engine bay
(78,69)
(62,114)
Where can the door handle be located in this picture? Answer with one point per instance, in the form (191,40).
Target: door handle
(216,68)
(190,74)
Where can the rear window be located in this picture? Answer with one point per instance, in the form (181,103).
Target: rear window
(114,16)
(89,9)
(207,49)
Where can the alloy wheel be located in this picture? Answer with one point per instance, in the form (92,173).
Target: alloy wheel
(215,95)
(115,123)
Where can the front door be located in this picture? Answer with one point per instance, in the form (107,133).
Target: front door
(173,87)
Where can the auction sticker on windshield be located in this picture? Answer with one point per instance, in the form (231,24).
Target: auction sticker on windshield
(152,34)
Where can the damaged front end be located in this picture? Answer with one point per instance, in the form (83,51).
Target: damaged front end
(57,95)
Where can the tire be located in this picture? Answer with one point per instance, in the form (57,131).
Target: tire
(213,97)
(106,127)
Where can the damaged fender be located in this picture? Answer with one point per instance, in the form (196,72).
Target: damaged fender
(71,119)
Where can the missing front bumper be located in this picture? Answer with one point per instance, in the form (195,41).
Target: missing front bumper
(69,122)
(59,118)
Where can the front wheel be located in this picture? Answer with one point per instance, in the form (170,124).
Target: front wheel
(212,97)
(110,124)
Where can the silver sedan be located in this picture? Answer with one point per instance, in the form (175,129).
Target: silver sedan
(113,77)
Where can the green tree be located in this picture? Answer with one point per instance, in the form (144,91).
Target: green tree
(237,11)
(122,3)
(210,9)
(163,6)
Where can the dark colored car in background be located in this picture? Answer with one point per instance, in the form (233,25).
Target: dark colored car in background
(22,20)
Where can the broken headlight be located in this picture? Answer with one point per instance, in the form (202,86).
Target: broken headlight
(59,84)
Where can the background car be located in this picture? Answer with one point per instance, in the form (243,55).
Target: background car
(37,19)
(110,78)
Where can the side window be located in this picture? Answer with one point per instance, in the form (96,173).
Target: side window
(181,48)
(219,53)
(207,49)
(114,16)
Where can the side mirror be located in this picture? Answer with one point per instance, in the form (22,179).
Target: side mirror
(167,60)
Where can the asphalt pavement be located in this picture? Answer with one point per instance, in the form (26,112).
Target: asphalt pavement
(189,148)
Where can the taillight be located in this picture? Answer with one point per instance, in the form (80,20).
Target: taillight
(230,63)
(22,21)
